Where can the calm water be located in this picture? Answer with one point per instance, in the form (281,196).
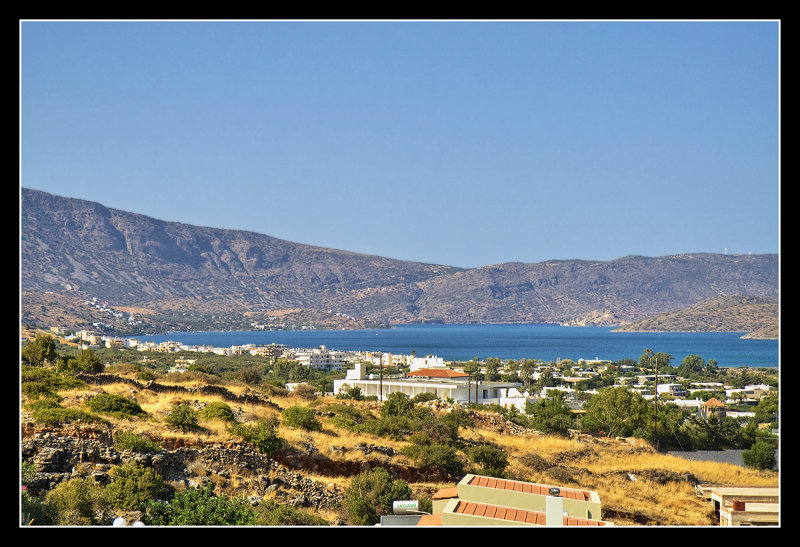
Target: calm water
(546,342)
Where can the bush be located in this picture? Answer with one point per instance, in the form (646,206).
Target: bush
(182,418)
(436,454)
(302,417)
(78,501)
(760,456)
(534,461)
(146,375)
(49,412)
(491,459)
(217,411)
(33,510)
(263,436)
(370,495)
(114,405)
(396,404)
(271,513)
(49,378)
(306,391)
(423,397)
(133,485)
(200,507)
(128,440)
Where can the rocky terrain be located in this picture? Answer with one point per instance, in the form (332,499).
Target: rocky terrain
(756,316)
(80,248)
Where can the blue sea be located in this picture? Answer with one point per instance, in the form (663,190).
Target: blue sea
(529,341)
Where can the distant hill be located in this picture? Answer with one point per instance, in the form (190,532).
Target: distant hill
(80,248)
(736,313)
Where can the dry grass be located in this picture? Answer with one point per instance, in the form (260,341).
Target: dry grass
(605,468)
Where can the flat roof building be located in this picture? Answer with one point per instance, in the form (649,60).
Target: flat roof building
(487,501)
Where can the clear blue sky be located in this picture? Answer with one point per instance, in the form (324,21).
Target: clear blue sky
(458,143)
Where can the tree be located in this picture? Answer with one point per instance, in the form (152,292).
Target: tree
(649,358)
(550,415)
(370,495)
(40,351)
(617,411)
(89,362)
(691,366)
(492,367)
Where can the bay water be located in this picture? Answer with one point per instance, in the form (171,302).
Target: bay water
(547,342)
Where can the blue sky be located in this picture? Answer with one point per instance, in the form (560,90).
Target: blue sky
(450,142)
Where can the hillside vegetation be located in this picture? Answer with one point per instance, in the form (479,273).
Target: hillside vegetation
(293,455)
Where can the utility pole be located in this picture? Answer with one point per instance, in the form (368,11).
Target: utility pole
(655,407)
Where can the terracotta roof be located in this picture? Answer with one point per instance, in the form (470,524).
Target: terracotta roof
(714,402)
(430,520)
(446,493)
(517,515)
(438,373)
(528,487)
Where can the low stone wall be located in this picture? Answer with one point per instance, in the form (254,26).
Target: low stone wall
(224,393)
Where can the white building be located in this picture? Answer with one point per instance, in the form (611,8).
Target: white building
(320,357)
(429,361)
(442,382)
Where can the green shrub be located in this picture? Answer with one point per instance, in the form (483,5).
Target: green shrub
(760,456)
(133,485)
(36,390)
(182,417)
(146,375)
(78,501)
(423,397)
(128,440)
(492,460)
(33,510)
(436,454)
(396,404)
(216,411)
(301,417)
(200,507)
(370,495)
(49,378)
(263,436)
(47,411)
(114,405)
(271,513)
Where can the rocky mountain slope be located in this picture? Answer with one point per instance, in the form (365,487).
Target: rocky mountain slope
(757,316)
(81,248)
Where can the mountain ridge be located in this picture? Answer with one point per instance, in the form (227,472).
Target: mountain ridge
(78,247)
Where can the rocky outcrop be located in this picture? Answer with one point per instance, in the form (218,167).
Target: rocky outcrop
(59,454)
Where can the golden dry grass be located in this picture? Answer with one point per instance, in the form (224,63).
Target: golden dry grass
(604,468)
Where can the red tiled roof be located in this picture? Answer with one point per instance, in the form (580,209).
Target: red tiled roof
(438,373)
(445,493)
(517,515)
(714,402)
(430,520)
(527,487)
